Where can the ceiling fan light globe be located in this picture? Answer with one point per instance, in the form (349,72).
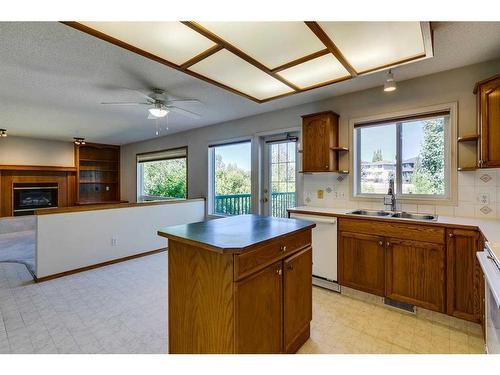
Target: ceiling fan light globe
(158,112)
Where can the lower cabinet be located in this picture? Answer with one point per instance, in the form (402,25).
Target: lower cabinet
(297,299)
(273,307)
(465,286)
(259,311)
(416,273)
(428,266)
(362,262)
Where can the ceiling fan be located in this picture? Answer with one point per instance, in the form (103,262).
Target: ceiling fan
(160,104)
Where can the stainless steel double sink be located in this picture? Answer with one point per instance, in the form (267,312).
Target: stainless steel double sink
(395,214)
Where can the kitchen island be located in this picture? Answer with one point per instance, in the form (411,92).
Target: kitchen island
(241,284)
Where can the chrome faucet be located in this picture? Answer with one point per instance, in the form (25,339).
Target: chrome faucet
(390,198)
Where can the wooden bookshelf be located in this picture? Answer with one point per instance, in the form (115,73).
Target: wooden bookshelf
(98,173)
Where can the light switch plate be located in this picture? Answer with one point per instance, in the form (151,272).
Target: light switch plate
(320,194)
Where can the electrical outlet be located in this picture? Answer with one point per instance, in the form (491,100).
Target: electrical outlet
(320,194)
(114,241)
(483,198)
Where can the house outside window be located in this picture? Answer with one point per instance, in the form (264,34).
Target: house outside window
(413,149)
(162,175)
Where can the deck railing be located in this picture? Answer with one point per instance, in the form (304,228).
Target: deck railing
(238,204)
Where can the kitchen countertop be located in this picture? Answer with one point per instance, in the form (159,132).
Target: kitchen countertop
(235,233)
(490,228)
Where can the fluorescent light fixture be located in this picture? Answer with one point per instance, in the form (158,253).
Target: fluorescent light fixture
(158,112)
(390,83)
(3,133)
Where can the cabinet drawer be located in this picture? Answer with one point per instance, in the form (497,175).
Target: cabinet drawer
(418,232)
(263,255)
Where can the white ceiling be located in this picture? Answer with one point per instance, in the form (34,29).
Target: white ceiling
(52,79)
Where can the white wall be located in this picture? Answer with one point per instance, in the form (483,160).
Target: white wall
(68,241)
(451,86)
(31,151)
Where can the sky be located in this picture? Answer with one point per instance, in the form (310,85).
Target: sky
(384,138)
(239,153)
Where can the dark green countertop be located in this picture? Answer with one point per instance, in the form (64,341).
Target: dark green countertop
(234,233)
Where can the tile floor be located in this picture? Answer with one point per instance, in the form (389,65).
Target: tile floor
(122,309)
(343,324)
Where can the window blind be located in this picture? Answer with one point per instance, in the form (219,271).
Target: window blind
(174,153)
(402,119)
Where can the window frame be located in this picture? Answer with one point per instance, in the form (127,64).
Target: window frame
(450,195)
(140,171)
(211,174)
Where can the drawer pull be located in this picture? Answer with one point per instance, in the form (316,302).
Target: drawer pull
(387,244)
(278,272)
(451,235)
(283,248)
(380,243)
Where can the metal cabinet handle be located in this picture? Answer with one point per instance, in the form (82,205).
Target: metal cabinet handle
(278,272)
(451,235)
(283,248)
(388,244)
(380,243)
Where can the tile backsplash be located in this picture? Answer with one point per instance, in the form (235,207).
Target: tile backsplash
(478,195)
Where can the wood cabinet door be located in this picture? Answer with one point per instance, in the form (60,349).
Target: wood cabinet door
(416,273)
(462,280)
(489,116)
(361,260)
(297,298)
(316,138)
(259,311)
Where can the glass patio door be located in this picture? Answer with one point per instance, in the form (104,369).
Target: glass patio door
(280,175)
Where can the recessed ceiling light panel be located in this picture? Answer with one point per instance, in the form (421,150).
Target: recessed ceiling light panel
(314,72)
(371,45)
(226,68)
(172,41)
(271,43)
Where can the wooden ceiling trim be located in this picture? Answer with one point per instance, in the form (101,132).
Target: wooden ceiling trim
(148,55)
(222,44)
(320,33)
(393,64)
(316,86)
(216,39)
(301,60)
(201,56)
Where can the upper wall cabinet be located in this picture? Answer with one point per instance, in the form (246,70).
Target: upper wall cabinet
(488,108)
(320,142)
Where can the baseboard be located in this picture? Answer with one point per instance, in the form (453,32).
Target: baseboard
(98,265)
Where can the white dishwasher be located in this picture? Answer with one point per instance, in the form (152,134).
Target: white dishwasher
(324,244)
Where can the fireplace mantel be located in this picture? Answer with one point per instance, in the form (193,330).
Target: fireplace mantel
(63,177)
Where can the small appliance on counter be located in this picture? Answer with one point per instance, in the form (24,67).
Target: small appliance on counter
(489,260)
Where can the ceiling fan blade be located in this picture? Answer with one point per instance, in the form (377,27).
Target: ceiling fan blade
(143,94)
(151,117)
(124,103)
(184,101)
(183,112)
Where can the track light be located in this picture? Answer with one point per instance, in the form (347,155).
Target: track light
(390,83)
(79,141)
(3,133)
